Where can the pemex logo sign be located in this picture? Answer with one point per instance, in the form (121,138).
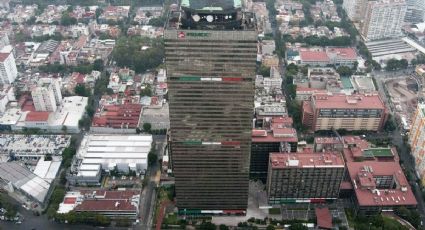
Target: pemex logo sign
(182,34)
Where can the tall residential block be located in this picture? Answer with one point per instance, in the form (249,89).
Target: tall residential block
(417,140)
(304,177)
(355,9)
(383,19)
(8,70)
(46,95)
(210,59)
(340,111)
(415,11)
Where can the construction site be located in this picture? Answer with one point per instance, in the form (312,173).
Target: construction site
(403,97)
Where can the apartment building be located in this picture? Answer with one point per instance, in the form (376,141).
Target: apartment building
(383,19)
(340,111)
(417,140)
(8,70)
(46,94)
(304,177)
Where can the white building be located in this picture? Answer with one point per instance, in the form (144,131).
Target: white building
(415,11)
(384,19)
(355,9)
(274,81)
(116,152)
(47,94)
(8,71)
(7,95)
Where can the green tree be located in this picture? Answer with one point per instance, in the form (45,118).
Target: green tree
(390,124)
(82,91)
(207,226)
(270,227)
(67,20)
(157,22)
(264,71)
(147,127)
(223,227)
(392,65)
(152,157)
(98,65)
(344,71)
(297,226)
(147,91)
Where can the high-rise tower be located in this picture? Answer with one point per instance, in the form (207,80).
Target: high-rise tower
(383,19)
(211,48)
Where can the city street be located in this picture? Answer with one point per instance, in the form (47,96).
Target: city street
(397,138)
(149,193)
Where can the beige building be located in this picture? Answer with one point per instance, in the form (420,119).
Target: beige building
(340,111)
(417,140)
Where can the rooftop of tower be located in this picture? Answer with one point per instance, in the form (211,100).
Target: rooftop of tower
(211,5)
(210,15)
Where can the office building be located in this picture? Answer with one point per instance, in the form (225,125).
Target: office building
(304,177)
(8,71)
(340,111)
(383,19)
(275,135)
(355,9)
(210,55)
(378,183)
(417,140)
(46,94)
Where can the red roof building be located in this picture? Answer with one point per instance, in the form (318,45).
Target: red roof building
(294,177)
(4,56)
(340,111)
(378,182)
(109,203)
(314,58)
(123,116)
(37,117)
(276,134)
(323,217)
(330,56)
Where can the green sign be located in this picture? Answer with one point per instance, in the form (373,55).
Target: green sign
(197,34)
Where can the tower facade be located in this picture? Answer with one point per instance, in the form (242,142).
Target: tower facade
(210,61)
(384,19)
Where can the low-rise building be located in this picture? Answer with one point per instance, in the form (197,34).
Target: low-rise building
(17,178)
(304,177)
(114,13)
(122,153)
(377,180)
(328,56)
(113,204)
(420,70)
(28,147)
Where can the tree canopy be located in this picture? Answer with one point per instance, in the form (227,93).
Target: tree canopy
(128,52)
